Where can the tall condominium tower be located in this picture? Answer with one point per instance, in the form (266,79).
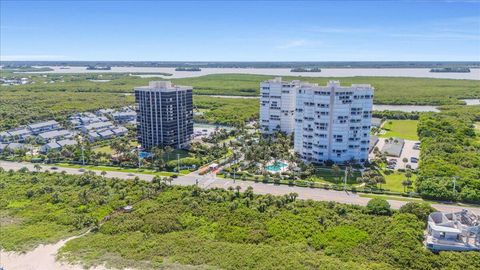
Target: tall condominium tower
(164,115)
(277,106)
(333,122)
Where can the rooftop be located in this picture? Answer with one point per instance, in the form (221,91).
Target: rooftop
(163,86)
(43,124)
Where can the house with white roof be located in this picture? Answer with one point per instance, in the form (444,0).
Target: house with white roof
(97,126)
(40,127)
(54,134)
(49,147)
(458,231)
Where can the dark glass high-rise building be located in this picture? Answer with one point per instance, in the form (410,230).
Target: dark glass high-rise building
(164,115)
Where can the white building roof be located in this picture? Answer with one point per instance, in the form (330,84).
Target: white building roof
(67,142)
(43,124)
(54,134)
(98,125)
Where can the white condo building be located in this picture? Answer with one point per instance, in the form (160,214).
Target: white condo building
(333,122)
(277,105)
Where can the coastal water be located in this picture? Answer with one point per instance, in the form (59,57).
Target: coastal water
(326,72)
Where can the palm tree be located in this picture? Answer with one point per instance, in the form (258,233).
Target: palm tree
(404,184)
(238,188)
(335,170)
(168,150)
(37,167)
(405,160)
(380,179)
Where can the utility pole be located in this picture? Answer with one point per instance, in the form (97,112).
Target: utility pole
(139,158)
(80,138)
(178,163)
(345,179)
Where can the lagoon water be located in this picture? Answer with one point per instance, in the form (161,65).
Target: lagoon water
(326,72)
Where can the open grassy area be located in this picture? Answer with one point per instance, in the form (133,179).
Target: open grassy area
(405,129)
(327,175)
(394,181)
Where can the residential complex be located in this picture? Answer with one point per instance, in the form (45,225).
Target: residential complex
(277,105)
(164,114)
(330,123)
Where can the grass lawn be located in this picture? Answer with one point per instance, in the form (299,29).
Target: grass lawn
(394,181)
(394,198)
(326,175)
(405,129)
(115,169)
(173,155)
(103,149)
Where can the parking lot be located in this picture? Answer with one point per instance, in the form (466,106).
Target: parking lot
(408,152)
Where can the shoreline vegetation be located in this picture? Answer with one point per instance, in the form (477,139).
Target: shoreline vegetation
(213,228)
(188,69)
(451,69)
(306,69)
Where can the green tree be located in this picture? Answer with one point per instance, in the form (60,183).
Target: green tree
(378,206)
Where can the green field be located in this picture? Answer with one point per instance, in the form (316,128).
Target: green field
(405,129)
(326,175)
(394,181)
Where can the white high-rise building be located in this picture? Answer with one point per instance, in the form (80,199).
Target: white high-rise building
(277,106)
(333,122)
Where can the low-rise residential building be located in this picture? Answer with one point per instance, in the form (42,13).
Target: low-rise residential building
(96,126)
(67,142)
(120,131)
(40,127)
(106,134)
(51,146)
(20,135)
(458,231)
(124,116)
(54,135)
(5,136)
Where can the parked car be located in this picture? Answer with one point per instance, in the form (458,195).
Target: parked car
(53,168)
(414,160)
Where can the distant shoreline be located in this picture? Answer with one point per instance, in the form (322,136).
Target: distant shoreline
(161,72)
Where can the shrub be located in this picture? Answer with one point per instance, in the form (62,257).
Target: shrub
(420,210)
(378,206)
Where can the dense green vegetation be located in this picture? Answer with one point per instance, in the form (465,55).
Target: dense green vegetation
(55,95)
(228,111)
(44,208)
(23,107)
(388,90)
(228,229)
(450,150)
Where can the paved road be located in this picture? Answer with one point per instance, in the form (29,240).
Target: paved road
(211,181)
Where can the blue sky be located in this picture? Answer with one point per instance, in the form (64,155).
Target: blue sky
(240,31)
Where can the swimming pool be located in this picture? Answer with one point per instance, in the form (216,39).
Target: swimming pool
(276,166)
